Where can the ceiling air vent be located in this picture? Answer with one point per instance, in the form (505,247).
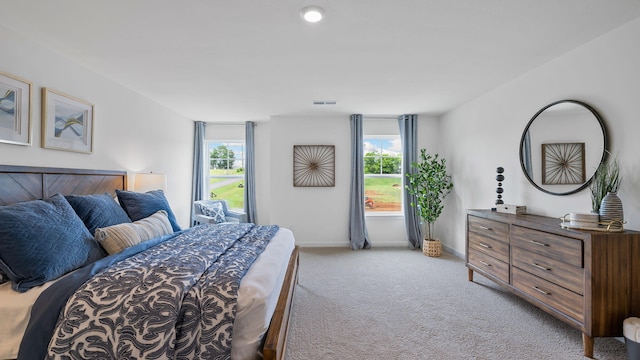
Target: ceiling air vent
(325,102)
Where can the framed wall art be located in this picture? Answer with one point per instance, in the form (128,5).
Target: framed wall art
(67,122)
(563,164)
(314,165)
(15,110)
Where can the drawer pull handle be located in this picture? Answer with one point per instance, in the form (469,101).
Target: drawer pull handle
(538,243)
(484,263)
(485,245)
(540,267)
(485,228)
(540,290)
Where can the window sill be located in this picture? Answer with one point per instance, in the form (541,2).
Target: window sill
(388,215)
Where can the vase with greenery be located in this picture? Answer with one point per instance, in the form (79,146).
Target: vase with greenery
(430,184)
(606,180)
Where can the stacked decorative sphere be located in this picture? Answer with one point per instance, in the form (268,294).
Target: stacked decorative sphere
(499,190)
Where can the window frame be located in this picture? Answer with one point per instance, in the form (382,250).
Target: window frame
(399,212)
(209,177)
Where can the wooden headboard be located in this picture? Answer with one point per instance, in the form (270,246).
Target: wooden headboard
(23,183)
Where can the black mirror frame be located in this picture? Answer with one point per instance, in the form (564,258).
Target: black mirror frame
(604,153)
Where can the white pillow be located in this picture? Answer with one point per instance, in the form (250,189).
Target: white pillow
(119,237)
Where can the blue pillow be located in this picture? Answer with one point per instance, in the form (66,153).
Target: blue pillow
(41,240)
(97,211)
(213,210)
(141,205)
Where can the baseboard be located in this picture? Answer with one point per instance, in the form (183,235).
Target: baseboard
(453,252)
(394,244)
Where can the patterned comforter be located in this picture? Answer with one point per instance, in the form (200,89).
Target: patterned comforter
(175,300)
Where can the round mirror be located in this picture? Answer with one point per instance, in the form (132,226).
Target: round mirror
(562,146)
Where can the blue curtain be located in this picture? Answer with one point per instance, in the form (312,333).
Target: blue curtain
(526,155)
(198,187)
(358,236)
(409,135)
(250,174)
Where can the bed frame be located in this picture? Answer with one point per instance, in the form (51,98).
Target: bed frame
(24,183)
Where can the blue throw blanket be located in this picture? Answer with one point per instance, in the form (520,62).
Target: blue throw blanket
(173,297)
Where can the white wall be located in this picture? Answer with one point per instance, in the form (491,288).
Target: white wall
(131,132)
(319,216)
(485,133)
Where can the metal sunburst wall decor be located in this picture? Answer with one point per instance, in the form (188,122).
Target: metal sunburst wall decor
(314,165)
(563,163)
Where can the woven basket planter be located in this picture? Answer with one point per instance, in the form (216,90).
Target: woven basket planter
(432,248)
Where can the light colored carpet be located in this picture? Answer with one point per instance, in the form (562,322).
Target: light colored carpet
(399,304)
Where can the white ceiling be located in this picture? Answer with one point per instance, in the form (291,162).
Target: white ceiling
(237,60)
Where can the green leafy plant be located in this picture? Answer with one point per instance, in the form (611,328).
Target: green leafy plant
(605,180)
(430,184)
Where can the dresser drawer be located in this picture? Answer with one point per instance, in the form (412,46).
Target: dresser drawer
(561,248)
(490,265)
(560,273)
(488,228)
(489,246)
(559,298)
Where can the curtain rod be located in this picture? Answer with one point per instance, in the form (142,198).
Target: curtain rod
(373,117)
(228,124)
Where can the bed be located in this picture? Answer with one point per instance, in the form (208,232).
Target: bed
(264,295)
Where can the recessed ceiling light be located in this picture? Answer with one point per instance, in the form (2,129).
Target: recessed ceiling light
(312,14)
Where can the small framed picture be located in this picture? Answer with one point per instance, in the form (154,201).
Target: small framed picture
(15,110)
(67,122)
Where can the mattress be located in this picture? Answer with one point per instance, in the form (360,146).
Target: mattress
(257,299)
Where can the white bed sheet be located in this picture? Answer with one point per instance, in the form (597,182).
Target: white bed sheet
(257,299)
(258,296)
(15,311)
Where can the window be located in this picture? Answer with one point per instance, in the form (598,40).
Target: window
(226,172)
(382,174)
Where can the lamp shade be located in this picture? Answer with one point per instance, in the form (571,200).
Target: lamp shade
(150,181)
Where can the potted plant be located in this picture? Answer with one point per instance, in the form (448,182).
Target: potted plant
(430,184)
(604,188)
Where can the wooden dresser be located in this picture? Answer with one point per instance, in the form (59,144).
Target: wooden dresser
(588,279)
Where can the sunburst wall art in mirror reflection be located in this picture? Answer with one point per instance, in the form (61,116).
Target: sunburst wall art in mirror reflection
(563,163)
(314,165)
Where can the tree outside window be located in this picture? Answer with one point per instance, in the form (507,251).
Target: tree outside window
(382,174)
(226,172)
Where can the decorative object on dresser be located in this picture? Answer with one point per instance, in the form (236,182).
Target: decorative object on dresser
(430,184)
(605,180)
(511,209)
(611,211)
(584,220)
(499,190)
(588,279)
(604,198)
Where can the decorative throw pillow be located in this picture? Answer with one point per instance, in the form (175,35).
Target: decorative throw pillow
(213,210)
(97,211)
(119,237)
(41,240)
(141,205)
